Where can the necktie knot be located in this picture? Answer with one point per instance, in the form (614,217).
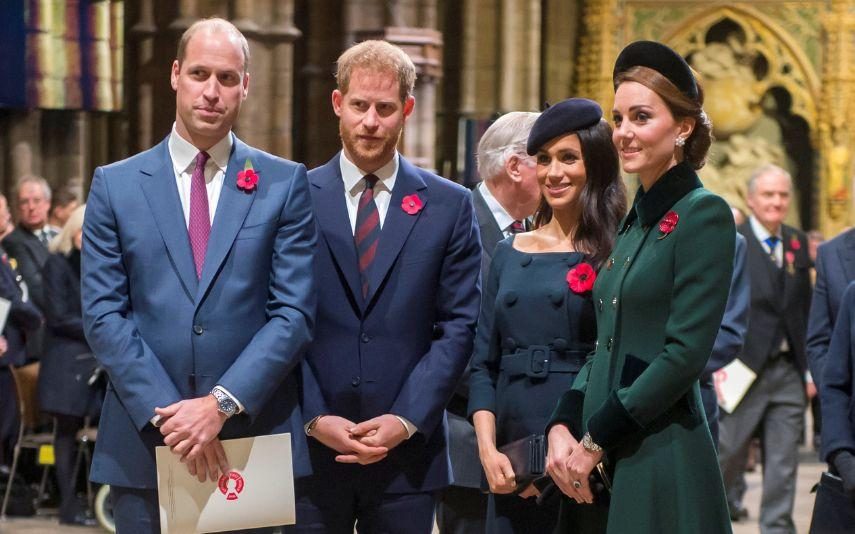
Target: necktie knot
(772,242)
(516,227)
(370,181)
(202,159)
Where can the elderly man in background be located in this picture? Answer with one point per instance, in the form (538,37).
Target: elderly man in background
(504,200)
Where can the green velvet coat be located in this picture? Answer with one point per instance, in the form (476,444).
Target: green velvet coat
(659,302)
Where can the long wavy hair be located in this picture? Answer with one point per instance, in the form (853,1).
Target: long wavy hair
(603,198)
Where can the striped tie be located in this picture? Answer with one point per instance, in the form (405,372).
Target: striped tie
(367,233)
(516,227)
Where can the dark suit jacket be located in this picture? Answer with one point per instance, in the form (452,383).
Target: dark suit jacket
(163,335)
(835,268)
(402,349)
(30,255)
(67,362)
(838,379)
(780,299)
(24,317)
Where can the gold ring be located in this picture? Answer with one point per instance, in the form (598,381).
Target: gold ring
(577,484)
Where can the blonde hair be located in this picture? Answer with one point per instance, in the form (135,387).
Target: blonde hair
(378,56)
(63,243)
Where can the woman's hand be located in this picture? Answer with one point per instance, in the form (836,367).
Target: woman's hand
(561,444)
(500,474)
(579,465)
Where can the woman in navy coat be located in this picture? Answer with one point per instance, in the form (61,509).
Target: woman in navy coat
(68,363)
(537,323)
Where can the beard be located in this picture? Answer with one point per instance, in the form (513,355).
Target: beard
(369,156)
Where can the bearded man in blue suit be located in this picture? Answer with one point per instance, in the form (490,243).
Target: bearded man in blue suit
(398,267)
(197,286)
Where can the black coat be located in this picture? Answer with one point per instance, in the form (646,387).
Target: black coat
(780,299)
(67,362)
(30,255)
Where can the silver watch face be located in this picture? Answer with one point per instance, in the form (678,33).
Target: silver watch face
(227,406)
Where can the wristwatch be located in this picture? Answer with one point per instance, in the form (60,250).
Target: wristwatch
(225,404)
(589,444)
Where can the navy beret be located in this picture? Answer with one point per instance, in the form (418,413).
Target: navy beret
(663,60)
(565,117)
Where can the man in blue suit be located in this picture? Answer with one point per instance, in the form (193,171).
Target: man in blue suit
(398,262)
(197,286)
(835,268)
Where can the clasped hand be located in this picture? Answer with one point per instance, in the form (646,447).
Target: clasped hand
(190,428)
(568,462)
(365,443)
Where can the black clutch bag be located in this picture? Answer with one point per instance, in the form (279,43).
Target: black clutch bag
(528,459)
(833,510)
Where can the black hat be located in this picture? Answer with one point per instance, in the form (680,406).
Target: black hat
(663,60)
(567,116)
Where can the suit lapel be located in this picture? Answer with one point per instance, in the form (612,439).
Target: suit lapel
(491,234)
(232,209)
(161,193)
(764,271)
(847,255)
(335,223)
(397,225)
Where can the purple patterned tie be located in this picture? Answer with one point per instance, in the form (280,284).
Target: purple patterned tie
(367,232)
(200,219)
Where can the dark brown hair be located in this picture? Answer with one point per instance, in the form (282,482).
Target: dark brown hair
(603,198)
(681,107)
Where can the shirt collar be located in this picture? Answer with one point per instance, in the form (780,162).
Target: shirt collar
(648,207)
(503,219)
(760,231)
(353,175)
(183,153)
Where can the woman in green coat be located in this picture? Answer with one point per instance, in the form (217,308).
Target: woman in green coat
(659,302)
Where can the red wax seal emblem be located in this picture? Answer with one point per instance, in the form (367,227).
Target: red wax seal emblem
(230,485)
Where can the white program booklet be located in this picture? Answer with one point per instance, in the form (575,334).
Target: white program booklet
(257,492)
(731,384)
(5,306)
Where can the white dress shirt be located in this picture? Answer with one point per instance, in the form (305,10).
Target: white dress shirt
(183,155)
(354,185)
(762,235)
(503,219)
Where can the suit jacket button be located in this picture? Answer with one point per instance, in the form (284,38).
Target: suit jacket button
(197,329)
(364,337)
(355,381)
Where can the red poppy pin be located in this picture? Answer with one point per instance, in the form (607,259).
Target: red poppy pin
(412,204)
(247,179)
(581,278)
(668,223)
(795,244)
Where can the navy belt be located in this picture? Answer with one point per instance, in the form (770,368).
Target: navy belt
(537,361)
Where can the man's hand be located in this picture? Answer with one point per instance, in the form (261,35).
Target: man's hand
(190,424)
(4,346)
(334,432)
(810,390)
(561,444)
(383,431)
(211,463)
(579,466)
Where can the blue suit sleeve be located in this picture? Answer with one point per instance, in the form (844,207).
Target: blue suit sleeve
(820,320)
(429,387)
(836,384)
(137,375)
(734,324)
(278,347)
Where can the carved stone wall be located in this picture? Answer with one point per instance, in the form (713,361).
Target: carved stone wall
(801,59)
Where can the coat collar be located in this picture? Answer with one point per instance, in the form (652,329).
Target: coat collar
(648,207)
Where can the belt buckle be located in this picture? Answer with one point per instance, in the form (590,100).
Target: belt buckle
(539,361)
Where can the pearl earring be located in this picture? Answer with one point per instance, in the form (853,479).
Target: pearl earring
(680,141)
